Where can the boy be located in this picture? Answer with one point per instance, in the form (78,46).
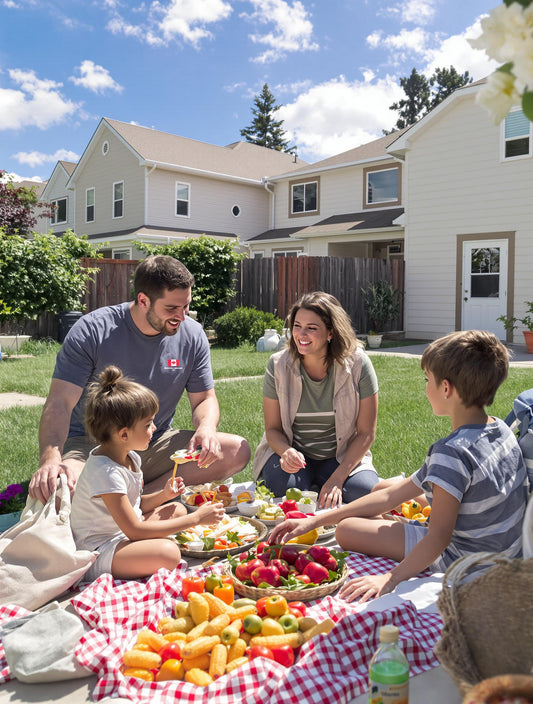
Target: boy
(475,479)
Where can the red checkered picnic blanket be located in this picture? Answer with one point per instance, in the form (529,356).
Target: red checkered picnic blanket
(333,667)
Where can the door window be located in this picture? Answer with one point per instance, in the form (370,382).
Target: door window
(485,272)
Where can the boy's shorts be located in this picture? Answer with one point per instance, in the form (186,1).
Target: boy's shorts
(414,532)
(155,460)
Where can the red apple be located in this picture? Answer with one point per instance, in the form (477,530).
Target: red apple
(267,574)
(289,554)
(331,564)
(282,566)
(303,578)
(319,553)
(301,561)
(316,572)
(244,570)
(264,557)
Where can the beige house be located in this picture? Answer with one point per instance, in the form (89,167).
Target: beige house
(135,183)
(350,205)
(469,218)
(57,193)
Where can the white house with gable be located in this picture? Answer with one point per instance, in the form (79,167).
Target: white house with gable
(468,217)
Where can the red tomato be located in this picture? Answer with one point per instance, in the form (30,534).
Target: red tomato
(296,612)
(298,605)
(260,651)
(283,654)
(260,606)
(171,651)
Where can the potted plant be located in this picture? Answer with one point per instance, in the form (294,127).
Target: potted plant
(12,501)
(382,305)
(510,322)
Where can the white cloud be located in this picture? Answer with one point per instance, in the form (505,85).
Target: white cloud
(38,158)
(456,51)
(417,11)
(35,103)
(186,20)
(12,176)
(338,115)
(408,43)
(95,78)
(292,30)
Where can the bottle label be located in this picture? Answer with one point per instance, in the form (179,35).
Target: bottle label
(380,693)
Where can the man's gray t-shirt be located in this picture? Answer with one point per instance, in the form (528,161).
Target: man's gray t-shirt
(166,364)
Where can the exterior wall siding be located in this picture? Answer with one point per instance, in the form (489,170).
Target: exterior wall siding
(458,185)
(101,172)
(211,203)
(56,189)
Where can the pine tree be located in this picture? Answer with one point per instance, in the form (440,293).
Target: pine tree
(264,129)
(446,80)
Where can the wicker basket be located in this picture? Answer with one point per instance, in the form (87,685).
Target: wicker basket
(495,688)
(308,594)
(262,531)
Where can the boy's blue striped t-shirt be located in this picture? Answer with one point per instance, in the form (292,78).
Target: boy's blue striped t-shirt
(483,468)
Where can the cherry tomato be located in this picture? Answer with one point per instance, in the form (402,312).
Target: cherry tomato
(283,654)
(191,583)
(295,612)
(170,651)
(260,651)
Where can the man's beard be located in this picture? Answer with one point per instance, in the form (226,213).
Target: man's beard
(159,325)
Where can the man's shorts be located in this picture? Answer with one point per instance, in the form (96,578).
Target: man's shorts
(155,460)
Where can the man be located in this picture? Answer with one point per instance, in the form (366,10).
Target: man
(155,343)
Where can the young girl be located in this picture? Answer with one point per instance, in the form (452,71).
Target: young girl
(109,512)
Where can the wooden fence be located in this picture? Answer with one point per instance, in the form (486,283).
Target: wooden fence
(275,284)
(272,285)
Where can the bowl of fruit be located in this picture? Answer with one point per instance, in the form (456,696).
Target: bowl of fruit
(296,572)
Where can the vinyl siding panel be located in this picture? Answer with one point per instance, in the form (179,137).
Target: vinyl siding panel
(101,172)
(55,190)
(458,185)
(211,203)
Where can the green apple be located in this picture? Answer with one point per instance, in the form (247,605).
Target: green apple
(289,623)
(252,624)
(293,494)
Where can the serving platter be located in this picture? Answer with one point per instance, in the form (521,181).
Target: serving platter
(261,534)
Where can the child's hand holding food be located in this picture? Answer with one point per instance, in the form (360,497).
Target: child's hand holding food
(209,513)
(174,487)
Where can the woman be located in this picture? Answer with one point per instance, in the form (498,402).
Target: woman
(320,402)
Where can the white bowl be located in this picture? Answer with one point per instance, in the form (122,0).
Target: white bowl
(307,507)
(313,495)
(248,508)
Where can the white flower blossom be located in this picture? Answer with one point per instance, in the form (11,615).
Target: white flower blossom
(498,95)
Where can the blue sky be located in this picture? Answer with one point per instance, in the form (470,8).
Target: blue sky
(193,67)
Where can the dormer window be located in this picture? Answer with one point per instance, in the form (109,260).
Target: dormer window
(517,135)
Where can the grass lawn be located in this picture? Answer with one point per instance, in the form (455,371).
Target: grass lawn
(406,425)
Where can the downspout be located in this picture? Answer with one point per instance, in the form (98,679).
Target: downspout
(273,194)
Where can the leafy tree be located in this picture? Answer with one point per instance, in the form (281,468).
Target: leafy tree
(416,104)
(446,81)
(19,207)
(264,129)
(42,274)
(212,262)
(423,94)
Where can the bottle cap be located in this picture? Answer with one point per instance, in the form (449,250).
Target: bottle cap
(389,634)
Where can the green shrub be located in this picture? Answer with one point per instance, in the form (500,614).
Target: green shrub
(45,345)
(244,325)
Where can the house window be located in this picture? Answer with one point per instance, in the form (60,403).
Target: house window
(288,253)
(118,199)
(382,186)
(59,211)
(517,135)
(89,205)
(259,255)
(304,197)
(183,198)
(124,253)
(236,211)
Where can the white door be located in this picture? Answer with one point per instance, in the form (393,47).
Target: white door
(484,285)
